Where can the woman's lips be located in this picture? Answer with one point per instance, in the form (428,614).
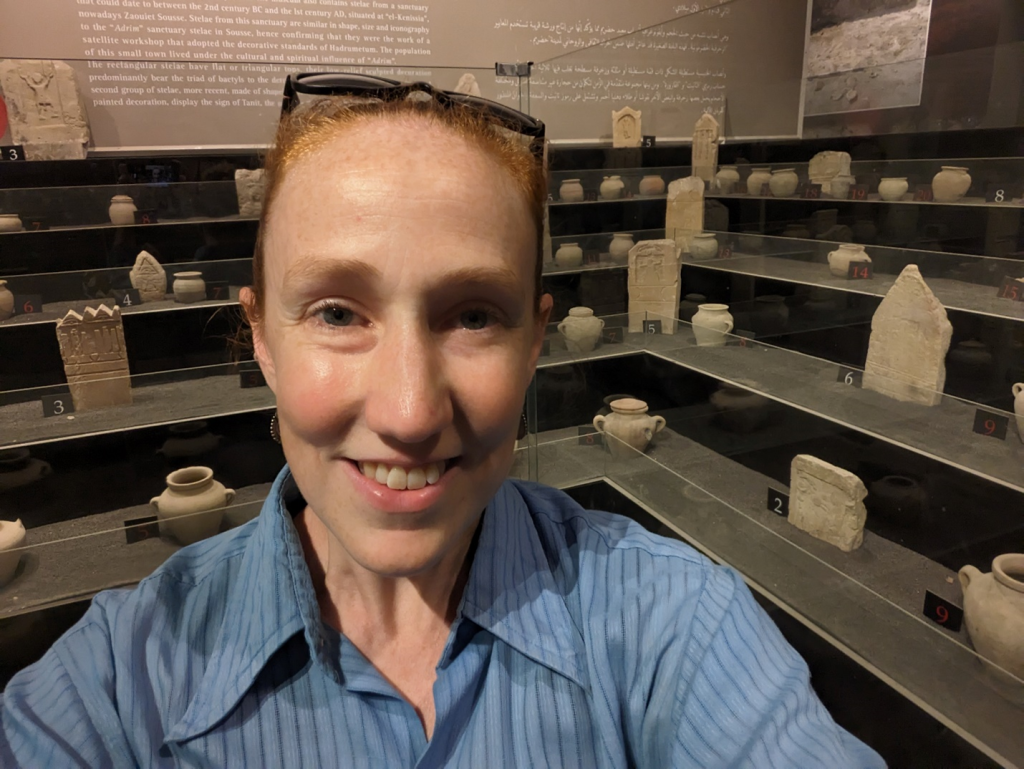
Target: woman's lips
(385,499)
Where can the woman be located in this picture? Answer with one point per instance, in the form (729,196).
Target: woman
(399,602)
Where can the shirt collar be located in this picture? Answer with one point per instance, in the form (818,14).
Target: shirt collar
(511,592)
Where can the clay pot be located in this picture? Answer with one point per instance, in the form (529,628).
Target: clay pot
(751,242)
(652,185)
(570,191)
(6,301)
(12,536)
(757,179)
(606,409)
(568,256)
(612,188)
(899,500)
(189,287)
(994,611)
(950,184)
(796,230)
(689,305)
(839,186)
(864,231)
(784,182)
(1018,408)
(971,356)
(192,505)
(711,324)
(188,439)
(770,314)
(10,223)
(619,248)
(630,426)
(122,210)
(703,246)
(581,330)
(839,260)
(893,188)
(727,178)
(739,410)
(19,468)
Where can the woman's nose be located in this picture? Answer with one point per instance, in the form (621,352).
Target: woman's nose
(408,397)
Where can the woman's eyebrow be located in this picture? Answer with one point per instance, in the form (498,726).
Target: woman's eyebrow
(317,269)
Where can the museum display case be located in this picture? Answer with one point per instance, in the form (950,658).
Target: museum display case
(812,371)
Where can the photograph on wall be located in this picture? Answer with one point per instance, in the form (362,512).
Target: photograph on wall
(865,55)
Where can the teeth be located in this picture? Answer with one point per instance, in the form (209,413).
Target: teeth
(399,478)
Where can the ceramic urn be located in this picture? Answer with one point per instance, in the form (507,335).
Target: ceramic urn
(839,187)
(994,611)
(11,223)
(652,185)
(893,188)
(757,179)
(12,537)
(727,178)
(569,255)
(1018,408)
(189,287)
(630,426)
(122,210)
(570,191)
(711,324)
(6,301)
(619,248)
(612,188)
(703,246)
(839,260)
(783,183)
(950,184)
(581,330)
(192,506)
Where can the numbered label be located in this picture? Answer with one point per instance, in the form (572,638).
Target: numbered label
(725,252)
(857,192)
(741,338)
(140,529)
(998,193)
(648,142)
(942,612)
(12,152)
(545,348)
(27,304)
(859,271)
(128,297)
(591,257)
(652,327)
(58,405)
(589,436)
(811,192)
(36,223)
(218,289)
(247,379)
(778,502)
(146,216)
(1012,288)
(990,424)
(613,334)
(851,377)
(766,190)
(923,193)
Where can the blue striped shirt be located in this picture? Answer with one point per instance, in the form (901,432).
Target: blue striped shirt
(581,640)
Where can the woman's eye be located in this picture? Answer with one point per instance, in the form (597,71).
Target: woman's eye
(475,320)
(337,316)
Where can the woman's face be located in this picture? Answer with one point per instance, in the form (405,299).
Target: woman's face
(399,336)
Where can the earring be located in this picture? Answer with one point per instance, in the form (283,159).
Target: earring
(275,428)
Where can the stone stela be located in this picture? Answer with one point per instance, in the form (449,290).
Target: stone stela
(626,128)
(654,284)
(149,277)
(46,111)
(910,336)
(684,214)
(249,187)
(705,147)
(95,358)
(827,502)
(826,166)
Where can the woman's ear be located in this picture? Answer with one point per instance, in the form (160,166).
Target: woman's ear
(247,299)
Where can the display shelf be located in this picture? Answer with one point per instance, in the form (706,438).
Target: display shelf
(943,432)
(73,560)
(871,198)
(199,394)
(159,223)
(54,311)
(954,294)
(867,602)
(606,263)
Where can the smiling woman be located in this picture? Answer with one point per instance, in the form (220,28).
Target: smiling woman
(399,602)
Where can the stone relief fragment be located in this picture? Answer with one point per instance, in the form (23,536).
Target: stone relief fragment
(626,128)
(827,502)
(149,277)
(249,187)
(653,278)
(684,215)
(705,147)
(45,109)
(95,358)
